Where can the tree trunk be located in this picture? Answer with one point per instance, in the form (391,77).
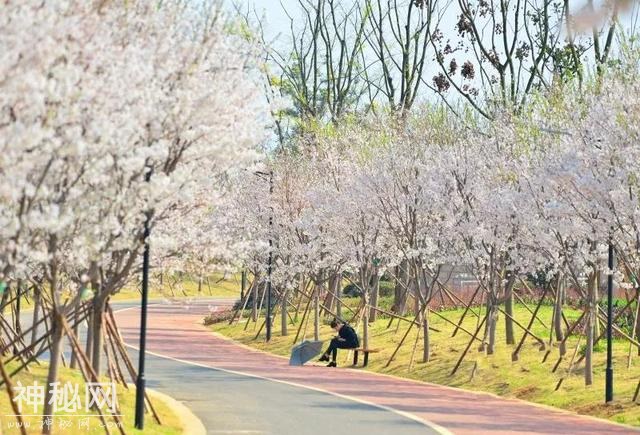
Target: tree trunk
(426,354)
(591,319)
(301,289)
(416,301)
(337,289)
(492,322)
(400,293)
(508,308)
(18,326)
(588,353)
(375,292)
(57,334)
(243,284)
(200,283)
(97,326)
(365,330)
(254,304)
(36,313)
(596,292)
(316,313)
(89,340)
(74,355)
(283,312)
(557,316)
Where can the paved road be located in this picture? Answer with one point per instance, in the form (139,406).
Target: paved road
(254,391)
(236,403)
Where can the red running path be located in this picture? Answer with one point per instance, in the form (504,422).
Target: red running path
(176,331)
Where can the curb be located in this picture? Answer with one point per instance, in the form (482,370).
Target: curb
(190,423)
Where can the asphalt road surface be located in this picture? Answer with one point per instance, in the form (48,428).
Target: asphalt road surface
(234,403)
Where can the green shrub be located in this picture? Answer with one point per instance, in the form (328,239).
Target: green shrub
(597,348)
(624,320)
(351,291)
(386,289)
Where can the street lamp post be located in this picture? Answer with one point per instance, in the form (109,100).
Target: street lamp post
(609,370)
(140,381)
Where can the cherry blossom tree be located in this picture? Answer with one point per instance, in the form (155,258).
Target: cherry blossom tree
(112,114)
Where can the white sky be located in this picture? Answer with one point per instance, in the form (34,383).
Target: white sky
(275,19)
(273,15)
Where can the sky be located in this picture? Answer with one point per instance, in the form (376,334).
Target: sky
(277,22)
(273,11)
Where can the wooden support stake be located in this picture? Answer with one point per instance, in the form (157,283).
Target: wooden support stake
(117,338)
(7,382)
(515,354)
(475,335)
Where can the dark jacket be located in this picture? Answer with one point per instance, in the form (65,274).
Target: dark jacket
(349,335)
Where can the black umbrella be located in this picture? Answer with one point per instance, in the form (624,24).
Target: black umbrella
(303,352)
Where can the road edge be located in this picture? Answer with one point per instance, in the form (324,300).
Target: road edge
(189,422)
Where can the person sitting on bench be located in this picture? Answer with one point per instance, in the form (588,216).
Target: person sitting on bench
(346,339)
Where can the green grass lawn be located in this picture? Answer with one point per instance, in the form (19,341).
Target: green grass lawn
(126,400)
(527,379)
(217,285)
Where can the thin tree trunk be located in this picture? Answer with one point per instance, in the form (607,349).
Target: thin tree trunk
(254,304)
(89,339)
(426,354)
(74,355)
(365,329)
(329,299)
(36,314)
(400,294)
(375,292)
(316,313)
(96,343)
(508,308)
(591,319)
(588,354)
(18,326)
(283,313)
(416,301)
(492,322)
(557,316)
(636,327)
(97,326)
(337,290)
(243,283)
(54,364)
(596,291)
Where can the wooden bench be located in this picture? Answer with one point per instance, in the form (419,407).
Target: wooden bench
(366,355)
